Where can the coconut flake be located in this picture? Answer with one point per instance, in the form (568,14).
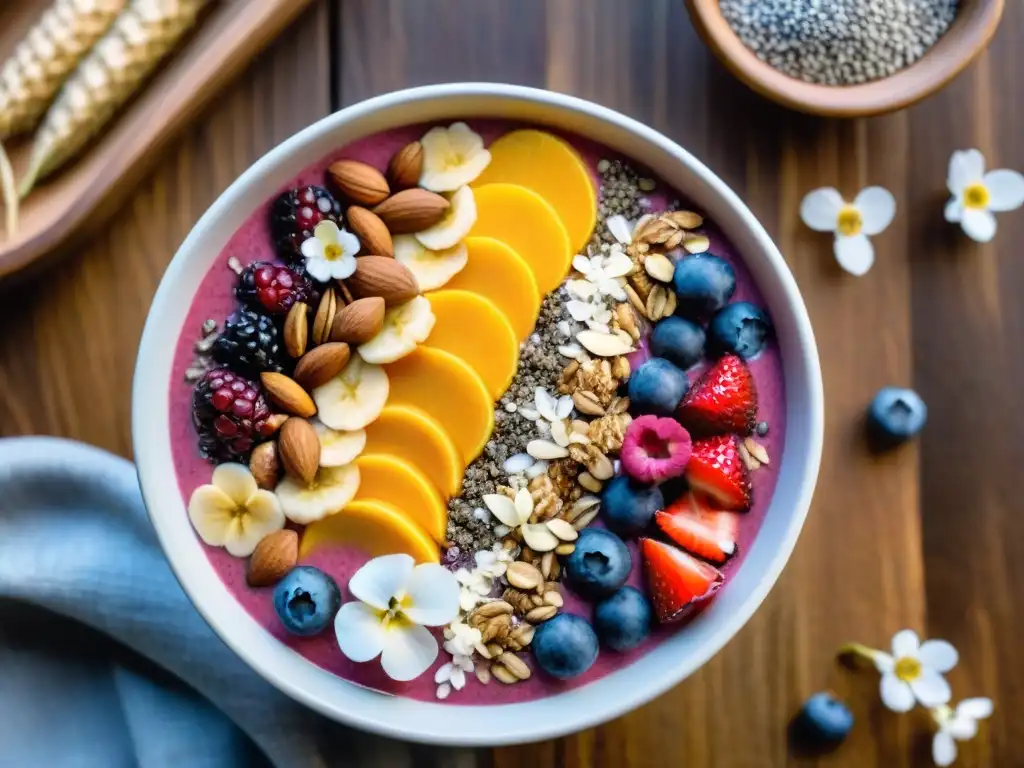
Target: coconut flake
(565,406)
(620,228)
(537,469)
(519,463)
(545,403)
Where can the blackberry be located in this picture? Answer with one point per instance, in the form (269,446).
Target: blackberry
(230,414)
(273,288)
(294,216)
(250,344)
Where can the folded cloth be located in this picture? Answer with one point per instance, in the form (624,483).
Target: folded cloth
(103,660)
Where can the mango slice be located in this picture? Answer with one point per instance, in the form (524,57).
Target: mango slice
(473,329)
(554,170)
(401,485)
(373,527)
(529,225)
(500,275)
(447,389)
(410,434)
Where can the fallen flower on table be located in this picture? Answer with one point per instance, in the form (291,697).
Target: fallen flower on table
(957,724)
(977,195)
(825,210)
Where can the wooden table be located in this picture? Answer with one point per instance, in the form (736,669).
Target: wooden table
(929,537)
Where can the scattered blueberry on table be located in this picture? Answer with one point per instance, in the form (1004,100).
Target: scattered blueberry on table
(628,506)
(704,284)
(896,415)
(624,620)
(823,720)
(306,600)
(565,646)
(740,328)
(656,387)
(599,565)
(679,341)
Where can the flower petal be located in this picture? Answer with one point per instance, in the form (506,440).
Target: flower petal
(896,694)
(962,728)
(883,661)
(855,254)
(978,708)
(382,579)
(327,232)
(342,268)
(432,596)
(965,167)
(502,508)
(359,631)
(905,643)
(349,243)
(409,650)
(938,654)
(211,512)
(954,210)
(979,225)
(312,248)
(820,209)
(581,264)
(524,504)
(319,269)
(1005,189)
(877,209)
(943,749)
(931,688)
(236,481)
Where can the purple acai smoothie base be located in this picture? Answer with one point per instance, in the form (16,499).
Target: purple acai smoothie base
(215,300)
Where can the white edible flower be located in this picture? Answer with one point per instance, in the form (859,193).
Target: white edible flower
(396,600)
(977,194)
(960,724)
(330,253)
(233,512)
(824,210)
(914,671)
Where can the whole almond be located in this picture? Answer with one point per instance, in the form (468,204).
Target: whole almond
(361,183)
(265,465)
(383,277)
(298,445)
(372,234)
(287,395)
(324,320)
(360,321)
(406,166)
(321,364)
(296,329)
(275,555)
(412,210)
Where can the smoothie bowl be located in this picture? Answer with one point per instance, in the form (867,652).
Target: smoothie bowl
(476,414)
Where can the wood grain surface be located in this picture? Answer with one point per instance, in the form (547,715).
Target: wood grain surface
(930,537)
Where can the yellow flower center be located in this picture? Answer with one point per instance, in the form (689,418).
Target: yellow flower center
(332,252)
(907,669)
(393,618)
(976,195)
(453,159)
(849,221)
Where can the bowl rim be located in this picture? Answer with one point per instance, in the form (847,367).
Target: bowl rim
(483,725)
(966,38)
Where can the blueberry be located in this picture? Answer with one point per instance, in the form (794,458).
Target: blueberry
(740,328)
(565,646)
(824,719)
(656,387)
(627,506)
(896,415)
(623,620)
(306,600)
(679,341)
(599,565)
(704,284)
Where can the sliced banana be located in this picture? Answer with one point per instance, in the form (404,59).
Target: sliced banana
(329,492)
(455,225)
(338,448)
(432,269)
(452,157)
(405,326)
(353,398)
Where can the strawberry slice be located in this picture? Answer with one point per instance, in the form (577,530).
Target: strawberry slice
(716,470)
(721,401)
(676,581)
(699,529)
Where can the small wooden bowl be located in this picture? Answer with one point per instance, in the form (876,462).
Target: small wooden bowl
(970,32)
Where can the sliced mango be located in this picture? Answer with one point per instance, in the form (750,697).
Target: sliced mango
(473,329)
(554,170)
(500,275)
(373,527)
(401,485)
(447,389)
(410,434)
(529,225)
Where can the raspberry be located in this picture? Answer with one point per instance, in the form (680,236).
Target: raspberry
(294,216)
(230,414)
(273,288)
(250,343)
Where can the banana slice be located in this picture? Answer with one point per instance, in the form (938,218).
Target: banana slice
(455,225)
(432,269)
(338,448)
(330,491)
(452,157)
(405,326)
(353,398)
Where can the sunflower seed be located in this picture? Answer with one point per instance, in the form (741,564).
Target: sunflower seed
(587,403)
(545,449)
(756,450)
(523,576)
(604,344)
(541,614)
(589,482)
(563,530)
(658,266)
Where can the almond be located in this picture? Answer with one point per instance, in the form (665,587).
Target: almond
(324,320)
(321,364)
(276,421)
(298,445)
(411,211)
(273,557)
(361,183)
(383,277)
(372,234)
(360,321)
(265,465)
(296,329)
(406,166)
(288,395)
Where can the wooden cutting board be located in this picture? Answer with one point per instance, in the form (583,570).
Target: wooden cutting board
(79,197)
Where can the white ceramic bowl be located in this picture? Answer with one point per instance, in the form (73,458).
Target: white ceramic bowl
(580,708)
